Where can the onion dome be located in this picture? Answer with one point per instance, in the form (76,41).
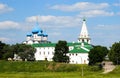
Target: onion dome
(84,19)
(29,34)
(40,34)
(45,35)
(36,29)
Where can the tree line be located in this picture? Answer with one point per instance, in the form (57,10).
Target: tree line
(96,55)
(22,50)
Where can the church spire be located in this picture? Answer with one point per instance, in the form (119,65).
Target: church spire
(84,36)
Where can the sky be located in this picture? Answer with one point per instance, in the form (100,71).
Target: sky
(60,19)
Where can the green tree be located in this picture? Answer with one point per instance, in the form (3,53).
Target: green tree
(114,53)
(24,51)
(97,54)
(1,49)
(61,49)
(8,52)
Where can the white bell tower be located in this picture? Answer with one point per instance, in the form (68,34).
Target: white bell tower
(84,36)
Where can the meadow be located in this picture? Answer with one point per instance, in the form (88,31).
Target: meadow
(41,69)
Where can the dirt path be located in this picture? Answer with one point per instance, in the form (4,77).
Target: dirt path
(108,67)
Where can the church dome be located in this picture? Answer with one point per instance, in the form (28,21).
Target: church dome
(36,29)
(40,34)
(29,34)
(45,35)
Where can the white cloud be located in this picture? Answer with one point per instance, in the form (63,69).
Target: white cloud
(56,21)
(118,13)
(116,4)
(87,9)
(94,13)
(9,25)
(5,8)
(107,27)
(81,6)
(55,34)
(3,39)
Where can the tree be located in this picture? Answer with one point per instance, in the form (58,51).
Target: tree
(114,53)
(61,49)
(8,52)
(1,49)
(97,54)
(24,51)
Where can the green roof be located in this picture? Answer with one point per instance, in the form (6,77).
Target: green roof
(88,46)
(44,45)
(78,50)
(77,47)
(52,44)
(72,44)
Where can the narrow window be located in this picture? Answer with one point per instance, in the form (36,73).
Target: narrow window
(73,54)
(69,54)
(76,54)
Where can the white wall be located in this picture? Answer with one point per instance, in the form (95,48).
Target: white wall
(78,58)
(43,53)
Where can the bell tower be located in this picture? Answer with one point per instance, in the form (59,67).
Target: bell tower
(84,36)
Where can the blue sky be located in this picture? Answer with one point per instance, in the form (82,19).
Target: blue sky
(61,19)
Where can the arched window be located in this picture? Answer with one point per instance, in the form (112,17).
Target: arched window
(82,40)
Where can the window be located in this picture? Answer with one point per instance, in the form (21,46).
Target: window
(48,53)
(40,53)
(87,40)
(44,53)
(69,54)
(84,61)
(76,54)
(72,61)
(82,40)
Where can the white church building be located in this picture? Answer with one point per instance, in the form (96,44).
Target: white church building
(78,51)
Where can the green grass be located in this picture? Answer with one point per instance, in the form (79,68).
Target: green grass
(57,75)
(51,70)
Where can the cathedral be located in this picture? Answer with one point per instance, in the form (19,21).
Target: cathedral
(78,51)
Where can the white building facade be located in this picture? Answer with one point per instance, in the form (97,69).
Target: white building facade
(78,51)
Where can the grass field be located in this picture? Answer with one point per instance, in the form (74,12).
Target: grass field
(50,70)
(57,75)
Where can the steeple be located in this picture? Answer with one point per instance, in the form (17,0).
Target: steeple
(84,36)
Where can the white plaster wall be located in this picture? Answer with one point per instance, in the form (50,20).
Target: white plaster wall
(30,42)
(28,38)
(43,53)
(71,48)
(78,58)
(48,52)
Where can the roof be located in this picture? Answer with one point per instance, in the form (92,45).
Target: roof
(36,29)
(77,47)
(81,49)
(40,34)
(53,44)
(88,46)
(29,34)
(78,50)
(45,35)
(44,45)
